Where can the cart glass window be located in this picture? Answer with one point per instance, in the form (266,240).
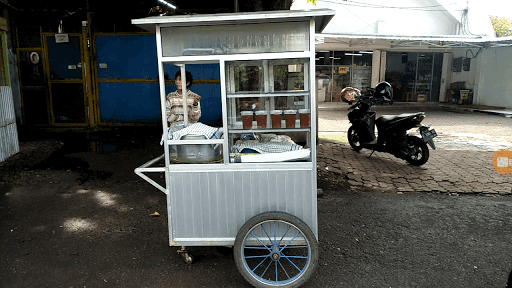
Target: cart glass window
(235,39)
(269,114)
(195,129)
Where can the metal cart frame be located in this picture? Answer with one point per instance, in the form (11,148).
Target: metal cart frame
(244,205)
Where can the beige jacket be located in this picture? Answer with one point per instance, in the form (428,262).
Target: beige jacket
(174,111)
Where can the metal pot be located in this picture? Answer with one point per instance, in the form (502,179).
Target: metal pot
(195,153)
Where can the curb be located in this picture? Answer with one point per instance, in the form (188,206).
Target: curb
(476,110)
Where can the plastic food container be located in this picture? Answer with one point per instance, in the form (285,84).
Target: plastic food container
(275,116)
(261,119)
(290,118)
(247,119)
(305,118)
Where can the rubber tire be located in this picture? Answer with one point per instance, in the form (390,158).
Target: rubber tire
(355,144)
(286,218)
(417,144)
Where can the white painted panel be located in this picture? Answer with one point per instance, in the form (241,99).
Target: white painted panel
(9,144)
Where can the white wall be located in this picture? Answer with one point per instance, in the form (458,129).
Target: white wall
(372,20)
(470,76)
(495,77)
(368,17)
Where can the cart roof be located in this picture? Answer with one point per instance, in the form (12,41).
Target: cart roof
(321,16)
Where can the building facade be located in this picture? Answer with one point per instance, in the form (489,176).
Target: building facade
(427,50)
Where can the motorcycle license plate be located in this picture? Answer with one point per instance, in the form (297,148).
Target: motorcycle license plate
(428,135)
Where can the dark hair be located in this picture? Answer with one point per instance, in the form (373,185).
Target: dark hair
(190,79)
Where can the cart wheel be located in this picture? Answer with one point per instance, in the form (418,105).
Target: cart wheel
(276,249)
(189,259)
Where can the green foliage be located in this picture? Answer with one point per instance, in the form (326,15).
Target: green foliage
(314,1)
(502,26)
(161,11)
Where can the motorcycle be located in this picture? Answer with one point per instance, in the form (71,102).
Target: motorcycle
(392,129)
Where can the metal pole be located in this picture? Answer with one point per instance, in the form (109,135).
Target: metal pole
(432,77)
(184,93)
(332,74)
(416,77)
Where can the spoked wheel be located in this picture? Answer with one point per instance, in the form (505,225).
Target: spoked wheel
(276,249)
(353,139)
(417,151)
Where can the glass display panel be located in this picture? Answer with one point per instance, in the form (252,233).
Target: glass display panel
(204,119)
(196,153)
(269,115)
(235,39)
(268,147)
(247,77)
(266,86)
(251,113)
(267,76)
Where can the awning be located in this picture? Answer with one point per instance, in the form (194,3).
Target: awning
(321,16)
(442,43)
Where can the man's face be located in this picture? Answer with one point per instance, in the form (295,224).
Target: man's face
(177,81)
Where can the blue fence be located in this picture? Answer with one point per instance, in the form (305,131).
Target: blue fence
(126,62)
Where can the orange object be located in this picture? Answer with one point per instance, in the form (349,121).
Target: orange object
(502,161)
(275,116)
(261,119)
(305,118)
(290,118)
(247,119)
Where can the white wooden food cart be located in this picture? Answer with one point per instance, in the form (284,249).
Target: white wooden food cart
(259,196)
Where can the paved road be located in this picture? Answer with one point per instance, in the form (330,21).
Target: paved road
(457,130)
(462,162)
(82,219)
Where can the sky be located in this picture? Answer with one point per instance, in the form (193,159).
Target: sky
(500,8)
(479,10)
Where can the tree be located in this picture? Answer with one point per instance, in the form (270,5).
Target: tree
(502,26)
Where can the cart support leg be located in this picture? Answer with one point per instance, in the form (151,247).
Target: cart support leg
(187,257)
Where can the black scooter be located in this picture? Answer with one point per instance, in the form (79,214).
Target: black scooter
(392,129)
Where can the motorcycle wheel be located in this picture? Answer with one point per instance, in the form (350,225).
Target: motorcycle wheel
(353,139)
(417,151)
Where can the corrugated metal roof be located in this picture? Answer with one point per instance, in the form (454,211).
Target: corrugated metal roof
(439,40)
(322,18)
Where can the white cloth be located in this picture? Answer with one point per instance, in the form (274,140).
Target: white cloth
(177,132)
(269,147)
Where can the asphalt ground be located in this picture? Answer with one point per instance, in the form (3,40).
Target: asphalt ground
(73,214)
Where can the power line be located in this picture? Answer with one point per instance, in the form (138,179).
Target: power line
(369,25)
(398,7)
(390,7)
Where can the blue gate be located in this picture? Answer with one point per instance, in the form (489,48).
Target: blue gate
(127,81)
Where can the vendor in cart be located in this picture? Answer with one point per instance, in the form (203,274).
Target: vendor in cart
(174,110)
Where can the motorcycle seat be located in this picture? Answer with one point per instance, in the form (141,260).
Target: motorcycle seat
(389,118)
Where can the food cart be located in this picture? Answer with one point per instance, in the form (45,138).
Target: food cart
(250,183)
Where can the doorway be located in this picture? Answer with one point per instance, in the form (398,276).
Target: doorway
(66,80)
(414,76)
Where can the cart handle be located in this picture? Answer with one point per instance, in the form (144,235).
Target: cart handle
(144,168)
